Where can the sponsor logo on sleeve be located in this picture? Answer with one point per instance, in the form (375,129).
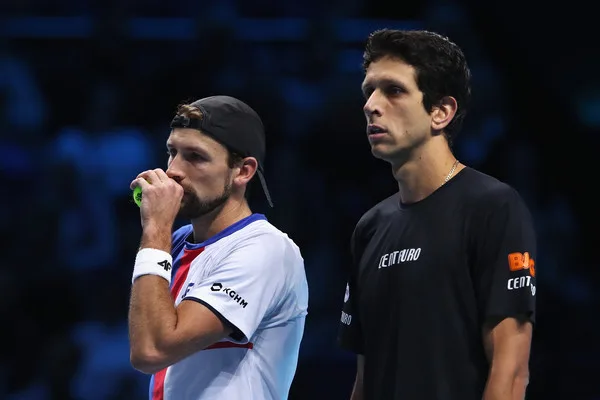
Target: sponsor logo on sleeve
(519,262)
(187,289)
(346,319)
(347,294)
(218,287)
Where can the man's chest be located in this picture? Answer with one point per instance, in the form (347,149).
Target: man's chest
(194,267)
(411,264)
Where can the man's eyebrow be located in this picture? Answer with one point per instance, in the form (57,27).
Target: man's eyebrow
(385,81)
(193,149)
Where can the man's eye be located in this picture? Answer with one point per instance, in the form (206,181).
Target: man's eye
(394,90)
(196,157)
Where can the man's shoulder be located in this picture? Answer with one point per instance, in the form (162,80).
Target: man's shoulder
(264,250)
(262,230)
(484,194)
(263,234)
(484,188)
(380,211)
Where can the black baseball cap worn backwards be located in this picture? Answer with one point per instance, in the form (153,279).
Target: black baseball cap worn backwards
(232,123)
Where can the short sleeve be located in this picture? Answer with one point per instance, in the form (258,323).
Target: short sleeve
(350,336)
(246,284)
(505,244)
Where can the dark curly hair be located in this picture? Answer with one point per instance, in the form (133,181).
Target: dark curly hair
(440,65)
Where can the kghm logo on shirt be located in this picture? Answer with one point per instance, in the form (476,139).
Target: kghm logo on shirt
(218,287)
(399,257)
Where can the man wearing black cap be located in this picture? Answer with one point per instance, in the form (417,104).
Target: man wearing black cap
(218,307)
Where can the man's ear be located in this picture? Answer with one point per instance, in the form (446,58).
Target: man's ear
(443,113)
(247,168)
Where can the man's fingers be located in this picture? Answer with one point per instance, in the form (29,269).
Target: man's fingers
(162,175)
(154,175)
(150,177)
(141,182)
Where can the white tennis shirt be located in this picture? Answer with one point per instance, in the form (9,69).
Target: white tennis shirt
(251,275)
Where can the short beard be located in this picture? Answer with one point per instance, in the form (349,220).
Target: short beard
(195,207)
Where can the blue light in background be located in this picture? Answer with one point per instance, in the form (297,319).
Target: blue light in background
(588,108)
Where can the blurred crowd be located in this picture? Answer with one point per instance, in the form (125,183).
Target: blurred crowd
(80,117)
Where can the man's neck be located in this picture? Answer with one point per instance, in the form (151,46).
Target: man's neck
(424,172)
(216,221)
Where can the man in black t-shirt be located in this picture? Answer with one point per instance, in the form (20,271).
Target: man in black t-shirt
(440,299)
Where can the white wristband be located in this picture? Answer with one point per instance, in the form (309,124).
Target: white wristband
(152,262)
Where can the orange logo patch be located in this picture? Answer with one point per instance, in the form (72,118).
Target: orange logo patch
(519,261)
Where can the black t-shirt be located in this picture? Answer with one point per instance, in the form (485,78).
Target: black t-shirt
(424,279)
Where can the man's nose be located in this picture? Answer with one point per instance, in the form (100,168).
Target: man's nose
(174,171)
(373,105)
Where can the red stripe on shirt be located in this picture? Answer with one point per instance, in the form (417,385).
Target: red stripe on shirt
(158,390)
(227,345)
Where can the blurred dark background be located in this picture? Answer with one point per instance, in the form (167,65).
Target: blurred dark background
(88,87)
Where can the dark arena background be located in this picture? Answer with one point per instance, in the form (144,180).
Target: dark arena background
(88,87)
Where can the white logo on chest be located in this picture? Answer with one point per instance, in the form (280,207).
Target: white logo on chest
(399,257)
